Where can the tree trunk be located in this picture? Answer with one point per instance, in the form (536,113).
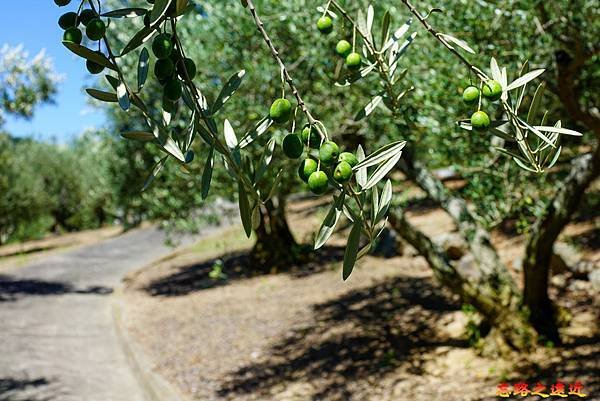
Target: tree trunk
(493,293)
(484,296)
(275,247)
(536,264)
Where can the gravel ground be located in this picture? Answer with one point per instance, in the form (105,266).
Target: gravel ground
(388,333)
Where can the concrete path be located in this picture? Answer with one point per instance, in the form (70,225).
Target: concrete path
(57,336)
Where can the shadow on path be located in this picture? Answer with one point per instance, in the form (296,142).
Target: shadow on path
(234,266)
(360,336)
(11,288)
(12,389)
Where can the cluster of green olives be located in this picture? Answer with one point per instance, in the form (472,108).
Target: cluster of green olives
(343,48)
(492,91)
(323,161)
(95,29)
(169,68)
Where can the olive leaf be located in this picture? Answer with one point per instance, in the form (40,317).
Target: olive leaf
(330,221)
(228,90)
(525,79)
(207,173)
(382,154)
(138,39)
(261,127)
(245,212)
(139,135)
(369,108)
(155,171)
(143,66)
(459,42)
(159,9)
(397,35)
(91,55)
(125,13)
(123,97)
(558,130)
(102,95)
(351,251)
(382,171)
(361,172)
(230,137)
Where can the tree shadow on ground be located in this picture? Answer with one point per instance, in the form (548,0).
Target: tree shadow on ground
(12,288)
(234,266)
(362,335)
(579,362)
(12,389)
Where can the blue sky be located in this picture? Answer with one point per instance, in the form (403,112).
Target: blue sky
(33,23)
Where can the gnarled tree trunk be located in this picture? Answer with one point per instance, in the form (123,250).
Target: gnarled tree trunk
(275,247)
(493,293)
(536,264)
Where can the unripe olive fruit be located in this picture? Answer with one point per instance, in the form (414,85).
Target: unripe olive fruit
(315,138)
(329,152)
(163,68)
(172,89)
(325,25)
(73,35)
(190,68)
(94,68)
(168,105)
(87,15)
(62,3)
(470,95)
(292,146)
(342,172)
(480,121)
(280,111)
(317,182)
(68,20)
(95,29)
(307,167)
(348,158)
(343,48)
(162,46)
(353,61)
(492,90)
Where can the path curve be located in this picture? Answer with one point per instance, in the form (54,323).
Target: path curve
(57,335)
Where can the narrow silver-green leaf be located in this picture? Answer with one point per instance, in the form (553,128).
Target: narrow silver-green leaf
(361,172)
(171,148)
(351,251)
(523,165)
(207,173)
(525,79)
(265,160)
(397,35)
(143,68)
(260,128)
(245,212)
(228,90)
(459,42)
(91,55)
(159,9)
(123,97)
(275,186)
(369,108)
(137,40)
(555,157)
(559,130)
(230,137)
(385,27)
(125,13)
(380,155)
(155,170)
(382,171)
(384,201)
(330,221)
(139,135)
(102,96)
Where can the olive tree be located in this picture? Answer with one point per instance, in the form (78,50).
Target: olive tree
(353,176)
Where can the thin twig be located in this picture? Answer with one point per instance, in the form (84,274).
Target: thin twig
(439,37)
(286,75)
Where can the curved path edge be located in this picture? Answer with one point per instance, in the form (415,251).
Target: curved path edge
(155,387)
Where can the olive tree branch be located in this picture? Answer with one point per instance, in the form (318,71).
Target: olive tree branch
(286,75)
(443,41)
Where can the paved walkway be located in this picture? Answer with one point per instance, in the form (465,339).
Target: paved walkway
(57,338)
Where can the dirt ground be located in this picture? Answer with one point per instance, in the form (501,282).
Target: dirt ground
(389,333)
